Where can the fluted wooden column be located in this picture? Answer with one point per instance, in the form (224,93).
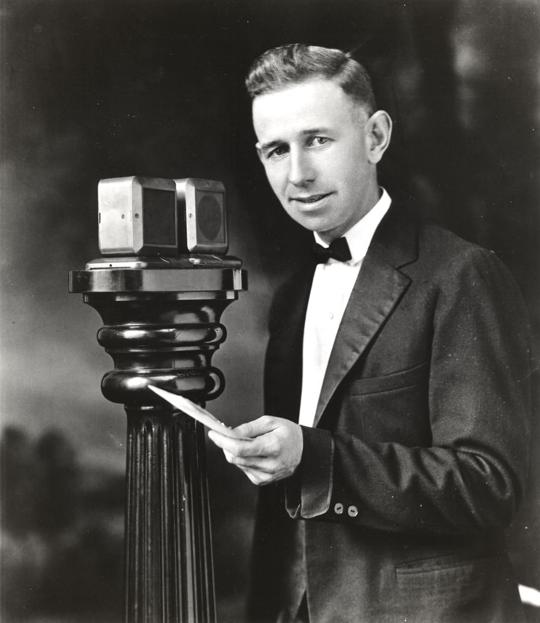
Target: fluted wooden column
(161,327)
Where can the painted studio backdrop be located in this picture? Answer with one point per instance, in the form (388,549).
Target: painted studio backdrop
(108,88)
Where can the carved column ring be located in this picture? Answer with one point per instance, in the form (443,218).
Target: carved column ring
(140,336)
(131,388)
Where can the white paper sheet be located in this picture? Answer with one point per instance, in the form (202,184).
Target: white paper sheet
(196,412)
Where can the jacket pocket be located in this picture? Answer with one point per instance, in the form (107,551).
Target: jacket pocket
(388,409)
(435,579)
(388,382)
(455,589)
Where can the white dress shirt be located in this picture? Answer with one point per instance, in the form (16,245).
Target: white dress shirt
(330,292)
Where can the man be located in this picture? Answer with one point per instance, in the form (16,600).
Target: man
(394,451)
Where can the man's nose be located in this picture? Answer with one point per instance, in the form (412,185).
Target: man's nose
(301,170)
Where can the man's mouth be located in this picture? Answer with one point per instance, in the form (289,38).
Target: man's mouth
(310,198)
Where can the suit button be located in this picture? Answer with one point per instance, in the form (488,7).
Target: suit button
(338,508)
(352,511)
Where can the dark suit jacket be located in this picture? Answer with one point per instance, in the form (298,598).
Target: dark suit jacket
(418,457)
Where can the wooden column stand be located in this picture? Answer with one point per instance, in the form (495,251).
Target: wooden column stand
(161,327)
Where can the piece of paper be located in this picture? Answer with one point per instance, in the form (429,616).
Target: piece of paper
(196,412)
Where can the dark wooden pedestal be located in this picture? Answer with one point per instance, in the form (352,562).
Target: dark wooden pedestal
(161,327)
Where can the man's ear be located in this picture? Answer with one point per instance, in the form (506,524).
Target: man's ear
(378,133)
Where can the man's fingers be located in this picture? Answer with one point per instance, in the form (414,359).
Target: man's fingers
(234,446)
(257,427)
(264,465)
(242,448)
(257,478)
(259,475)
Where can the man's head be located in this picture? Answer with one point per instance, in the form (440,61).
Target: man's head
(319,136)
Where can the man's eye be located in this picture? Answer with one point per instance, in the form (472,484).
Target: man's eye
(281,150)
(318,140)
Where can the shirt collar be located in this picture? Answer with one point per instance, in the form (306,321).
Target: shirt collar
(360,234)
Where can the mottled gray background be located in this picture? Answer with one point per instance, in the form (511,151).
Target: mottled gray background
(106,88)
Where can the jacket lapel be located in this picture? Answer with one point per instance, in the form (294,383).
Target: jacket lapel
(379,287)
(283,378)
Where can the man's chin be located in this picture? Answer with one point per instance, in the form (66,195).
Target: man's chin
(313,220)
(311,224)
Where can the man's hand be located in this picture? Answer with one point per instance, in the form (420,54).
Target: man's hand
(271,451)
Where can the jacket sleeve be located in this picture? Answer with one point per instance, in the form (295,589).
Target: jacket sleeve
(471,477)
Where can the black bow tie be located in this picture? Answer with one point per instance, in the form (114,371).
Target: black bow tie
(338,250)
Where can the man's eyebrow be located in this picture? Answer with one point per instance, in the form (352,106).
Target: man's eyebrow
(321,130)
(306,132)
(270,144)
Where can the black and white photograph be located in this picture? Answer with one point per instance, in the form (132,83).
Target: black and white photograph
(269,311)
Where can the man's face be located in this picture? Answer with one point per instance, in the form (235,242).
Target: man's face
(316,146)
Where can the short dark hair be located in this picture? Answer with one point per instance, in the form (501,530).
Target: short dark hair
(290,64)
